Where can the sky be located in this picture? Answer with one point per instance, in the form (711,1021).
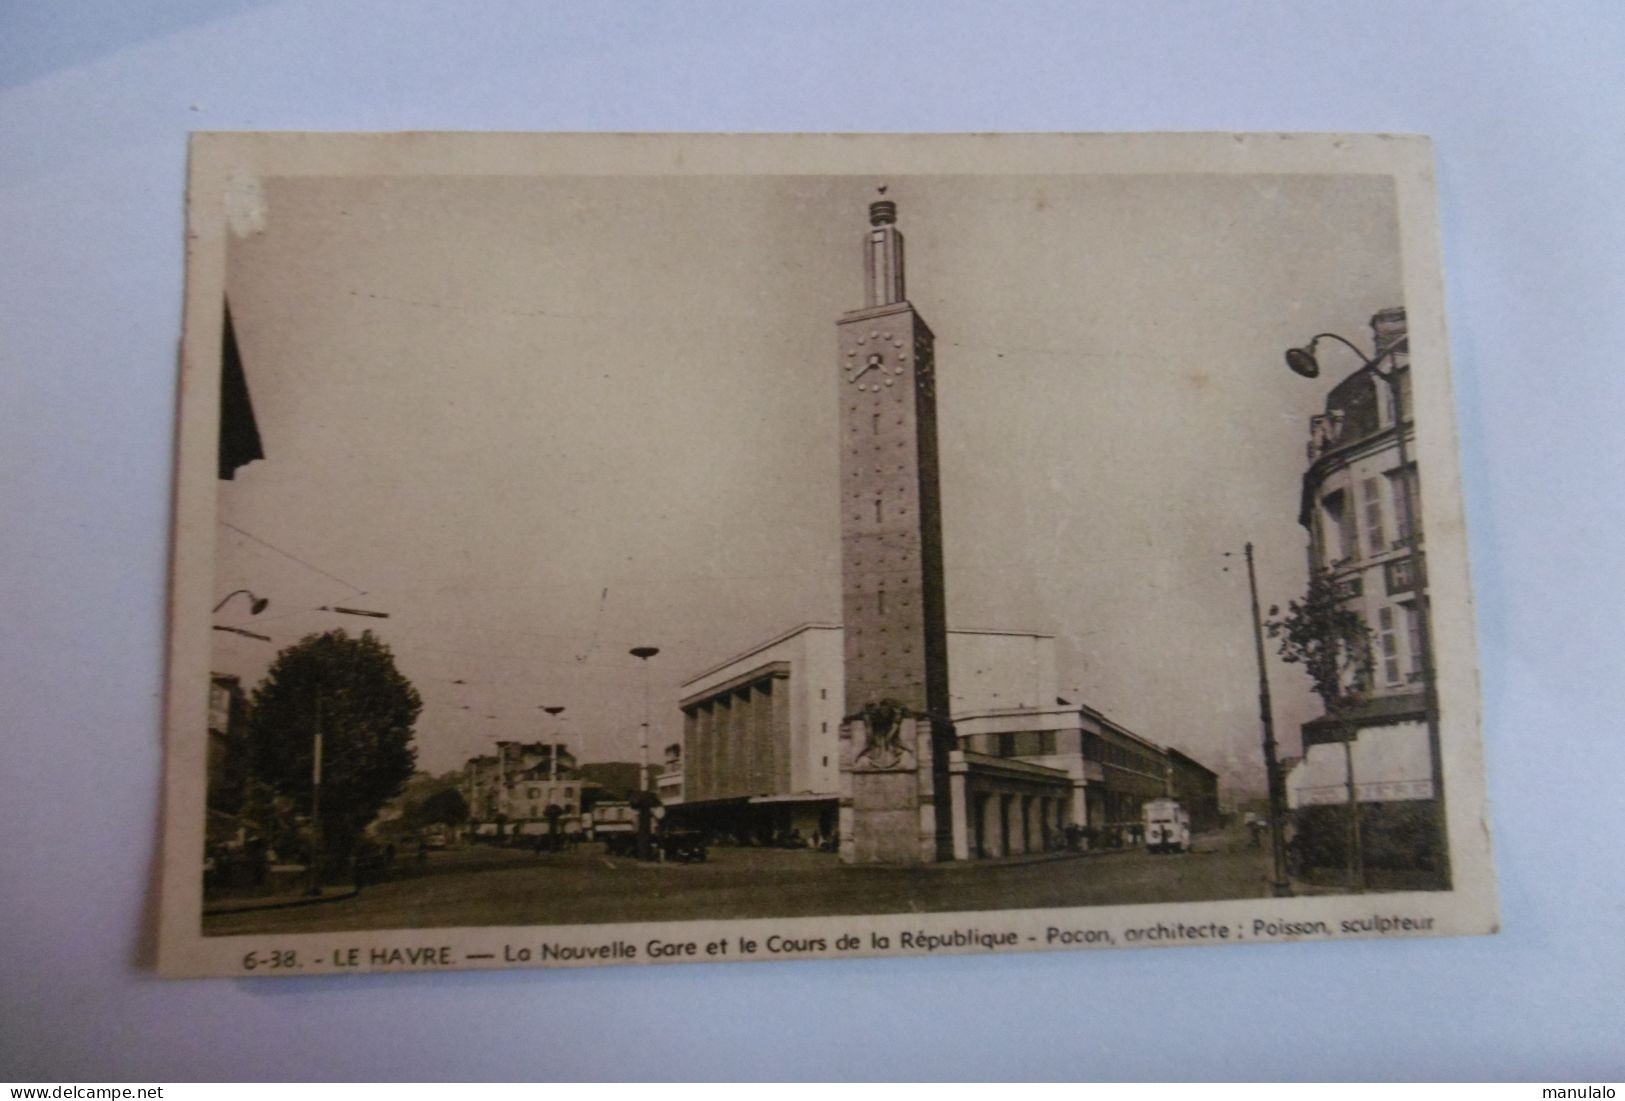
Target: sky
(542,420)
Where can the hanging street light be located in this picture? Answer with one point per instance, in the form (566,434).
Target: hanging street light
(257,604)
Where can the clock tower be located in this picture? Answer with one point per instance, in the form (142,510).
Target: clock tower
(896,796)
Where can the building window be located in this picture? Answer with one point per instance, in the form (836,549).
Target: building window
(823,727)
(1413,631)
(878,517)
(1407,502)
(1375,536)
(880,601)
(1400,575)
(1388,644)
(1341,518)
(823,693)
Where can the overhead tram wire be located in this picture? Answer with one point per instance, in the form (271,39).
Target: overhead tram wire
(358,590)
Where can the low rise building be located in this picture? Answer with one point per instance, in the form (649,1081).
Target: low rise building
(1197,788)
(510,792)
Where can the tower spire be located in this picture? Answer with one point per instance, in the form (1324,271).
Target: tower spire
(883,255)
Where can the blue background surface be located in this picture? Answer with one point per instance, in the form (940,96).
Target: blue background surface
(1526,103)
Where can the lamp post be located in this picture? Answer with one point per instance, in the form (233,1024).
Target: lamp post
(315,887)
(553,749)
(645,804)
(643,654)
(1302,361)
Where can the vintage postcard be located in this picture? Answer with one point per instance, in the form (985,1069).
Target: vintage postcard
(623,549)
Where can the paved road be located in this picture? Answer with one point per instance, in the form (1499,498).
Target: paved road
(501,887)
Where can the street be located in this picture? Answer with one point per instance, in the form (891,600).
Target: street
(481,886)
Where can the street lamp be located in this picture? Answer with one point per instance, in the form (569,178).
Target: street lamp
(553,750)
(643,654)
(257,604)
(1303,361)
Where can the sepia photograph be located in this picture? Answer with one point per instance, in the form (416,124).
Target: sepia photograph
(626,548)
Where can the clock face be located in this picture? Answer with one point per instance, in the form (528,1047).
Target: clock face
(878,363)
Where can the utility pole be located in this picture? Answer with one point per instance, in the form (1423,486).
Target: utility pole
(1424,627)
(1279,886)
(315,887)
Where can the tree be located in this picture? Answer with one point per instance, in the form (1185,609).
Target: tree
(1333,644)
(1329,639)
(349,691)
(446,807)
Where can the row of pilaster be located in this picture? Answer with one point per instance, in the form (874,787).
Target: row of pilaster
(737,743)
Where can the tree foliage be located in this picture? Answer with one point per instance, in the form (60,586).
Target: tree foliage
(432,800)
(445,807)
(350,689)
(1329,639)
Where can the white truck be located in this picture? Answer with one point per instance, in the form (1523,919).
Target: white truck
(1167,826)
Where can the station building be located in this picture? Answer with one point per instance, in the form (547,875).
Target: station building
(761,748)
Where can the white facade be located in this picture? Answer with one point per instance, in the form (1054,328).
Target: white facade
(766,721)
(988,670)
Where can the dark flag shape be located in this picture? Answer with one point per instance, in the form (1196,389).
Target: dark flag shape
(239,433)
